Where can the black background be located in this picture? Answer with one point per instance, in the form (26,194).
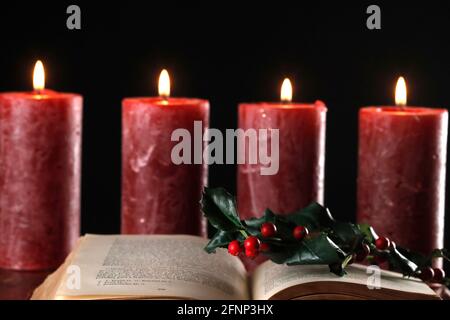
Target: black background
(227,53)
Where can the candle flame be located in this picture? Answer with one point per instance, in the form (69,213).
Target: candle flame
(38,76)
(164,84)
(400,92)
(286,90)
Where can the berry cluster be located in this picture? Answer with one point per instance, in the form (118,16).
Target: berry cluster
(253,246)
(427,274)
(433,275)
(311,236)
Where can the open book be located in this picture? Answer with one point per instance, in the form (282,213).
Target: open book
(177,267)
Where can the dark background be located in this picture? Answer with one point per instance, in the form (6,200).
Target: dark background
(227,53)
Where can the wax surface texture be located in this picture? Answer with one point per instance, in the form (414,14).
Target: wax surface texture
(40,163)
(159,196)
(300,179)
(401,174)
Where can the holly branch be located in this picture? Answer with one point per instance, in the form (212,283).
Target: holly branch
(311,236)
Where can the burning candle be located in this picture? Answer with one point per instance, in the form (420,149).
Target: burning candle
(158,195)
(300,177)
(40,159)
(401,172)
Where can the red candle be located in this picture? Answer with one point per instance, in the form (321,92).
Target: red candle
(401,172)
(159,196)
(40,149)
(300,178)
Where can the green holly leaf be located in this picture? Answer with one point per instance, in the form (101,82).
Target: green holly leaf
(399,262)
(419,259)
(283,224)
(337,269)
(219,207)
(221,239)
(253,225)
(368,232)
(315,217)
(256,223)
(440,253)
(347,235)
(329,243)
(315,250)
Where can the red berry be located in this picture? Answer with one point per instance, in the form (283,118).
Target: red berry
(234,248)
(382,243)
(363,252)
(268,229)
(264,247)
(251,253)
(251,243)
(439,275)
(300,232)
(426,274)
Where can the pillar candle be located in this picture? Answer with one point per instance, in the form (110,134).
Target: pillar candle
(40,159)
(401,172)
(300,178)
(159,196)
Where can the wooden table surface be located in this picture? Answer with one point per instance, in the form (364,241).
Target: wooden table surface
(19,285)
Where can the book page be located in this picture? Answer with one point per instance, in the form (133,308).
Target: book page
(270,278)
(158,266)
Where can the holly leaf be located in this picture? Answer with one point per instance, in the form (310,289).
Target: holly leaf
(422,260)
(347,235)
(268,216)
(315,217)
(440,253)
(317,250)
(401,263)
(419,259)
(221,239)
(368,232)
(219,207)
(253,225)
(329,243)
(283,224)
(337,269)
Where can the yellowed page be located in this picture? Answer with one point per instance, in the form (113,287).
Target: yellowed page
(270,278)
(146,266)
